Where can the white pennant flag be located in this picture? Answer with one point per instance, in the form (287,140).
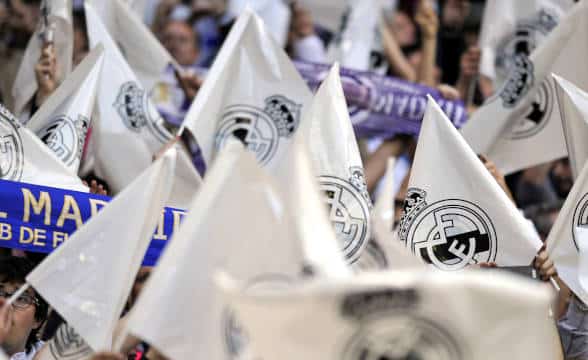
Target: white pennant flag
(275,14)
(581,235)
(336,160)
(61,29)
(510,28)
(63,120)
(239,222)
(521,125)
(384,238)
(563,243)
(187,181)
(456,214)
(399,315)
(252,92)
(24,158)
(141,49)
(88,278)
(129,130)
(328,14)
(573,105)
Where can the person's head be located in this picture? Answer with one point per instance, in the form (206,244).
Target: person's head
(181,41)
(404,29)
(30,310)
(561,177)
(24,15)
(80,40)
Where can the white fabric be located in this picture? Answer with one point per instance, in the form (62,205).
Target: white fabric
(326,13)
(141,49)
(187,181)
(25,84)
(397,256)
(581,234)
(63,120)
(573,105)
(521,126)
(456,214)
(239,222)
(336,160)
(510,27)
(275,14)
(563,245)
(400,315)
(129,130)
(253,91)
(353,46)
(24,158)
(88,278)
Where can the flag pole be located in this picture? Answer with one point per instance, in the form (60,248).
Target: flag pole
(17,294)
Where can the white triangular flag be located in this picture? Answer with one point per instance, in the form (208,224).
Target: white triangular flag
(239,222)
(573,105)
(275,14)
(63,120)
(60,24)
(141,49)
(24,158)
(521,126)
(88,278)
(399,315)
(66,344)
(510,28)
(336,160)
(329,14)
(187,181)
(563,244)
(253,92)
(456,214)
(581,235)
(385,239)
(129,130)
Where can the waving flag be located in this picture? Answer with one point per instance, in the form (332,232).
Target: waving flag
(252,92)
(455,213)
(573,105)
(24,158)
(398,315)
(63,121)
(129,130)
(58,31)
(88,278)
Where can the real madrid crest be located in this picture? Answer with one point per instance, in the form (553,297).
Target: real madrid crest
(390,327)
(11,147)
(450,234)
(136,111)
(65,137)
(260,130)
(67,344)
(348,204)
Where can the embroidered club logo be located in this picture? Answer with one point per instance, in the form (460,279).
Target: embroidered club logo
(348,207)
(236,338)
(527,35)
(389,328)
(11,147)
(67,344)
(260,130)
(580,218)
(450,234)
(65,137)
(538,114)
(137,112)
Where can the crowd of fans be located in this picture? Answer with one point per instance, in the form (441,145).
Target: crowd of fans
(428,42)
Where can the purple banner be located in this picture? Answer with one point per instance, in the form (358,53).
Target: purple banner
(382,106)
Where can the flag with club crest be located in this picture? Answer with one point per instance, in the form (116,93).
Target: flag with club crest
(335,158)
(564,244)
(275,14)
(510,28)
(238,221)
(573,105)
(88,278)
(252,92)
(129,129)
(58,30)
(141,49)
(385,251)
(66,344)
(398,315)
(581,233)
(63,120)
(455,213)
(24,158)
(520,126)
